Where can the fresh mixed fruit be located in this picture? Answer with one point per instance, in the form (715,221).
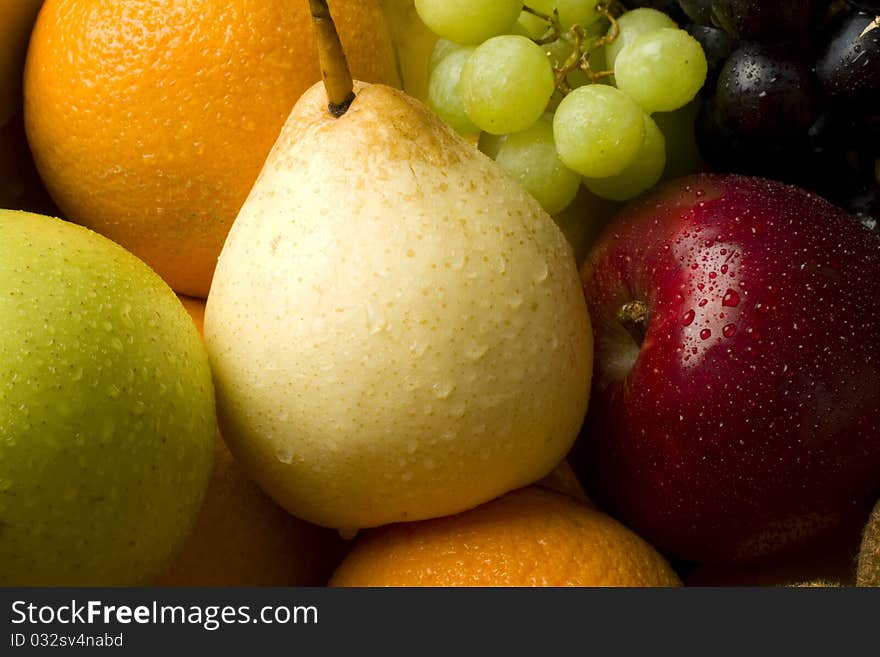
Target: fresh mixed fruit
(439,293)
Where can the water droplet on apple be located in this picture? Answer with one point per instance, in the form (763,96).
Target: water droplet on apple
(705,334)
(731,299)
(729,330)
(688,318)
(703,302)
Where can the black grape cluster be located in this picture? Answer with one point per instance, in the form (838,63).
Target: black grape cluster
(793,94)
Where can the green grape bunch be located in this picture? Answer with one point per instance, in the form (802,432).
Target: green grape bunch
(563,94)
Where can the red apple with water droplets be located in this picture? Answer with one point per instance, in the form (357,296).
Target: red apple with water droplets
(735,410)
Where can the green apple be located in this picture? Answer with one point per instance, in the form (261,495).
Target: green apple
(107,414)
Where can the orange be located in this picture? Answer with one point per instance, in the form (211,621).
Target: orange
(242,538)
(149,120)
(529,537)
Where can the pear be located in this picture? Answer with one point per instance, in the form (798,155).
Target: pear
(397,330)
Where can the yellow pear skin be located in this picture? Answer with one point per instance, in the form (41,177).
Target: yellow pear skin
(397,330)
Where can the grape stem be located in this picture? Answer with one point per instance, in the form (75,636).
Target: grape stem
(553,27)
(334,66)
(580,55)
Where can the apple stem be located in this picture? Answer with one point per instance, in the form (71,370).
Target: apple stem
(334,66)
(634,317)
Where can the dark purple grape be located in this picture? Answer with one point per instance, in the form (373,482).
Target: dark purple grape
(729,151)
(840,160)
(763,92)
(699,11)
(766,21)
(866,5)
(717,44)
(849,66)
(828,159)
(865,207)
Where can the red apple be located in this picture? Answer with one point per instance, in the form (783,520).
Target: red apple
(735,410)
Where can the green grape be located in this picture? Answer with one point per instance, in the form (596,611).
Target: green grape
(543,6)
(441,48)
(531,26)
(577,12)
(571,12)
(682,154)
(634,24)
(641,174)
(468,22)
(443,97)
(558,52)
(598,130)
(598,59)
(530,157)
(661,70)
(490,144)
(506,84)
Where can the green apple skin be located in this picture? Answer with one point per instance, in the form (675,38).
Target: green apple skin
(107,413)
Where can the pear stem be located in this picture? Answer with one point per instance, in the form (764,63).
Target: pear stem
(334,66)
